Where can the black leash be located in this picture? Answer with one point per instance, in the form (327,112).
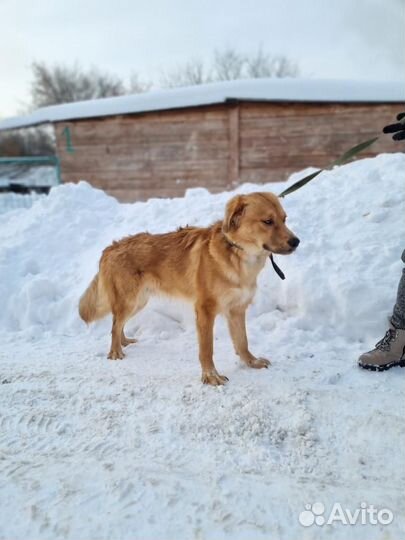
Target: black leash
(277,269)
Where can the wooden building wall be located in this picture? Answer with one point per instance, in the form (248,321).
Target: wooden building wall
(279,139)
(134,157)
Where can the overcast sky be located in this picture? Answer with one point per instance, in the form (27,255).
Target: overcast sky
(357,39)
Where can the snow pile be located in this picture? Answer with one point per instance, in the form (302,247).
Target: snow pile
(139,448)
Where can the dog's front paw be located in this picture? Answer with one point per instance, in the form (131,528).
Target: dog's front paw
(213,378)
(116,355)
(258,363)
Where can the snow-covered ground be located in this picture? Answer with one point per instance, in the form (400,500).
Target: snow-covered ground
(140,449)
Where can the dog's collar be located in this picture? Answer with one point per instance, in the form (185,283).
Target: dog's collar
(230,243)
(276,268)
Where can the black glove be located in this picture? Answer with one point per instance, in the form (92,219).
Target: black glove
(398,129)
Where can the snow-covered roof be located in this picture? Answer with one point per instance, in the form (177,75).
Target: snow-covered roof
(288,89)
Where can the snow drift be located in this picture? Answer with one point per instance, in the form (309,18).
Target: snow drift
(140,449)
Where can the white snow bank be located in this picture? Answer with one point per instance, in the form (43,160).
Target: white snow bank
(139,449)
(270,89)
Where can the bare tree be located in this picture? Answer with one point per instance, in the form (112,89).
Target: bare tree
(228,65)
(137,86)
(64,84)
(27,142)
(264,65)
(12,144)
(192,73)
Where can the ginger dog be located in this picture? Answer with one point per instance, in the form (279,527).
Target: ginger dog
(215,268)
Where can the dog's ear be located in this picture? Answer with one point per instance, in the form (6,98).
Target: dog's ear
(233,213)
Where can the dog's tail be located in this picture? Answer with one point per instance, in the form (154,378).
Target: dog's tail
(94,303)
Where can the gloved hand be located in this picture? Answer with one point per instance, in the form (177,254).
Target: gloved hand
(398,129)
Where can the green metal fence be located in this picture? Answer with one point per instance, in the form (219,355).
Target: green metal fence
(34,160)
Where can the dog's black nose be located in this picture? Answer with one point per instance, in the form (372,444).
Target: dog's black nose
(293,242)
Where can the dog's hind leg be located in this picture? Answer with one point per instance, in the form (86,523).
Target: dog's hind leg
(205,317)
(126,299)
(140,303)
(119,319)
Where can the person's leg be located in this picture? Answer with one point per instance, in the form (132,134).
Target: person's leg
(390,351)
(398,315)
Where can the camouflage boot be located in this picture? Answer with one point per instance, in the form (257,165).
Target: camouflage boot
(388,352)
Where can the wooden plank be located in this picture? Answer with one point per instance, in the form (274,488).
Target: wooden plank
(108,155)
(233,167)
(323,125)
(303,110)
(275,129)
(300,142)
(285,156)
(129,178)
(119,165)
(296,162)
(115,134)
(128,146)
(170,115)
(264,176)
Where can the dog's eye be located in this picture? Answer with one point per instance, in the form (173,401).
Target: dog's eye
(268,221)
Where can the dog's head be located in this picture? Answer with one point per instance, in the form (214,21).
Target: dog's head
(256,222)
